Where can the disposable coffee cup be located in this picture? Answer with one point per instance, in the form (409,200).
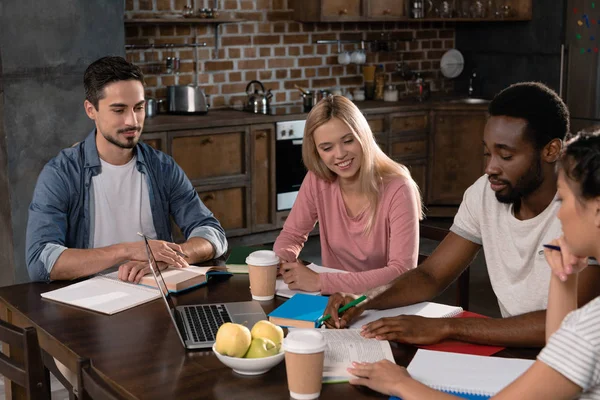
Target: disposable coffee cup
(262,270)
(304,357)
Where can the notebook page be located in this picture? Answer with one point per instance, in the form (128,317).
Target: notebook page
(107,296)
(345,346)
(282,289)
(464,373)
(425,309)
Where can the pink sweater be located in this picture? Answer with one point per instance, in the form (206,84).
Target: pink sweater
(390,249)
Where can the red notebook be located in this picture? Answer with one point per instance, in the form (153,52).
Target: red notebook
(454,346)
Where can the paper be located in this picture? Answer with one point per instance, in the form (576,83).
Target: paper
(237,268)
(463,373)
(425,309)
(346,346)
(282,289)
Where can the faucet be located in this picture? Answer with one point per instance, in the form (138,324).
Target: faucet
(472,78)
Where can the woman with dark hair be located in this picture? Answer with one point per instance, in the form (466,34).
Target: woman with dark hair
(569,366)
(367,205)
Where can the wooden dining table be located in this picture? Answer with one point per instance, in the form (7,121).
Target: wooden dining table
(139,353)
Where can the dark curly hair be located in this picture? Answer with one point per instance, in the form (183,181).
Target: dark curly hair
(546,114)
(107,70)
(581,162)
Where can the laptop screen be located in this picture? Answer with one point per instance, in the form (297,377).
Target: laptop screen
(160,282)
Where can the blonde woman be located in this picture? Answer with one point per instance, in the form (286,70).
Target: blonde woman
(368,206)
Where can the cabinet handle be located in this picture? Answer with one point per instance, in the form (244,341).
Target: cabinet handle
(208,197)
(343,11)
(206,141)
(387,11)
(261,135)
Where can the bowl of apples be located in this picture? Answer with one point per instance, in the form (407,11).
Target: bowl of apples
(249,352)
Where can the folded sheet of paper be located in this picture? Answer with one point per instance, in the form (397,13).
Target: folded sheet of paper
(282,289)
(345,346)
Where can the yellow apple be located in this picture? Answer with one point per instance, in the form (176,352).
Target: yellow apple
(261,347)
(233,340)
(268,330)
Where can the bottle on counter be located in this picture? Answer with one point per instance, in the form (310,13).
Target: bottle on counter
(380,79)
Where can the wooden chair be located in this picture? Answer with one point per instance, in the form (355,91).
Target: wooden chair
(92,386)
(462,289)
(29,374)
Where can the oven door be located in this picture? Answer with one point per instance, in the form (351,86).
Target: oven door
(290,172)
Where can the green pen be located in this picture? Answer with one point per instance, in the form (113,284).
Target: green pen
(342,309)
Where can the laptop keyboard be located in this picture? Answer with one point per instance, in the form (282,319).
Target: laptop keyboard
(205,320)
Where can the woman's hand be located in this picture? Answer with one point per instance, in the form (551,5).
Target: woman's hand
(382,376)
(299,277)
(563,263)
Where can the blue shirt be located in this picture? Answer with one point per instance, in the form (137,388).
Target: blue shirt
(61,212)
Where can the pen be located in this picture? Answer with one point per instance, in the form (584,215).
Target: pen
(342,309)
(552,247)
(180,254)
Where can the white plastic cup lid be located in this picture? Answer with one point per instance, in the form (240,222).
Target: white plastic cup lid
(304,341)
(262,258)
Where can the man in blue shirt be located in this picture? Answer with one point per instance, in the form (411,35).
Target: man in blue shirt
(92,199)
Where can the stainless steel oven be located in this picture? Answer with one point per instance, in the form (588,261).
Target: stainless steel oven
(289,169)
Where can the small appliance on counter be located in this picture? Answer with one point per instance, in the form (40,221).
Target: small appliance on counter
(186,99)
(257,102)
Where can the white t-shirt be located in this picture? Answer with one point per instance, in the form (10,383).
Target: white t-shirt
(121,205)
(514,255)
(574,349)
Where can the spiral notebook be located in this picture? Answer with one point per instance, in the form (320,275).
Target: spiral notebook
(477,377)
(103,294)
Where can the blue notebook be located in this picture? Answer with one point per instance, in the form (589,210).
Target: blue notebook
(300,311)
(461,395)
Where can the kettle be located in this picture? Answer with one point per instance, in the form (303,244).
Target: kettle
(257,102)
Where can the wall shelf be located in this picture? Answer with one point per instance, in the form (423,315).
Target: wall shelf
(181,21)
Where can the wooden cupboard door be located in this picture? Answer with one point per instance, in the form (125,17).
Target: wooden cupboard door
(339,10)
(418,171)
(413,147)
(228,206)
(456,160)
(376,123)
(410,122)
(263,177)
(214,153)
(385,9)
(156,140)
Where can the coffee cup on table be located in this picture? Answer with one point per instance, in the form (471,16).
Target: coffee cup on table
(304,356)
(262,271)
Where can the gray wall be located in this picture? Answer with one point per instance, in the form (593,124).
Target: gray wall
(45,47)
(508,52)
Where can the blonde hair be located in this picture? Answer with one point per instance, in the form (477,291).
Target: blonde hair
(376,167)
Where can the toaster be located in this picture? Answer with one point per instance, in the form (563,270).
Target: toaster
(182,99)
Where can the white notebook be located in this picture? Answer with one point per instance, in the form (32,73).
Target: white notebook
(103,294)
(282,289)
(464,373)
(425,309)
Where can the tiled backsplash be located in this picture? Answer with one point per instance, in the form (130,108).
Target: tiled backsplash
(271,47)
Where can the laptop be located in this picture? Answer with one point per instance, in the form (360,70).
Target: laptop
(197,325)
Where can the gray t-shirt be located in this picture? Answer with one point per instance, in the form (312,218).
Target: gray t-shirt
(121,205)
(574,349)
(514,255)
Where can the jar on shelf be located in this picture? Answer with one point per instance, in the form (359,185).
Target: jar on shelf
(390,93)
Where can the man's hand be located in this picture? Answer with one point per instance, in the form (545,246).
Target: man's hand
(563,263)
(299,277)
(163,252)
(383,376)
(336,301)
(407,329)
(133,271)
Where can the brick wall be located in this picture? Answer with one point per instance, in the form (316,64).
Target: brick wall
(271,47)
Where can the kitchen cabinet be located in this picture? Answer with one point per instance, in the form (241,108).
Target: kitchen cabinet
(348,10)
(263,203)
(456,155)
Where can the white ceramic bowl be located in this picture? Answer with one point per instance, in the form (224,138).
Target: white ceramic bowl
(250,366)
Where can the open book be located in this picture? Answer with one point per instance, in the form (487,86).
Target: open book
(179,279)
(282,289)
(345,346)
(103,294)
(464,373)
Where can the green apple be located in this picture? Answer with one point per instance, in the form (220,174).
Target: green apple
(261,347)
(233,340)
(268,330)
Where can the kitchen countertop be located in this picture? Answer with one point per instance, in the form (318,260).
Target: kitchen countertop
(230,117)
